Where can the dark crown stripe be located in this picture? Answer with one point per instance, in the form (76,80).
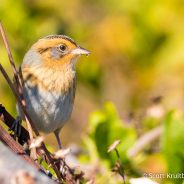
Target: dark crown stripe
(60,36)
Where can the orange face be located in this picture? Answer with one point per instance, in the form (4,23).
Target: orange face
(58,50)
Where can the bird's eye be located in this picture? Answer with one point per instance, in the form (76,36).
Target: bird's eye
(62,48)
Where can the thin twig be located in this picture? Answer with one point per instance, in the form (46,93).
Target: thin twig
(17,83)
(144,141)
(21,102)
(117,153)
(119,166)
(8,51)
(8,119)
(10,83)
(31,138)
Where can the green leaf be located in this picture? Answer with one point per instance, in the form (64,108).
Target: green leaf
(106,127)
(172,143)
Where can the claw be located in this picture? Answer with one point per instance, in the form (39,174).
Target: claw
(16,128)
(2,109)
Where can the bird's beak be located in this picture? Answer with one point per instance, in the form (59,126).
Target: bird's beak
(80,51)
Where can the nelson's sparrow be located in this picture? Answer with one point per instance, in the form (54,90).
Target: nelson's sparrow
(49,82)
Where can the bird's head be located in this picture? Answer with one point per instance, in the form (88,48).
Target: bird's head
(54,50)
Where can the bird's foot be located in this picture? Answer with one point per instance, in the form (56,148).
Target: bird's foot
(2,109)
(16,128)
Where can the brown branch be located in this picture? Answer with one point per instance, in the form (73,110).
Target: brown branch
(19,97)
(17,83)
(17,148)
(8,51)
(9,120)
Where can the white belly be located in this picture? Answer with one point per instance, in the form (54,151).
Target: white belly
(49,111)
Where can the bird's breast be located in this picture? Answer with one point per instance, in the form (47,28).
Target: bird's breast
(49,97)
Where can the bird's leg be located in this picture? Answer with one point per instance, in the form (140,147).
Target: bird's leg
(56,132)
(59,164)
(16,127)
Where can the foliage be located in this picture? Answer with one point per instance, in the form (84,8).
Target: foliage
(162,157)
(105,127)
(137,55)
(173,138)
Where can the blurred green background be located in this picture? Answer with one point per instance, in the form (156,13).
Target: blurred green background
(132,82)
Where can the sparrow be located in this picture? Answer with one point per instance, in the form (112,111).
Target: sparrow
(49,82)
